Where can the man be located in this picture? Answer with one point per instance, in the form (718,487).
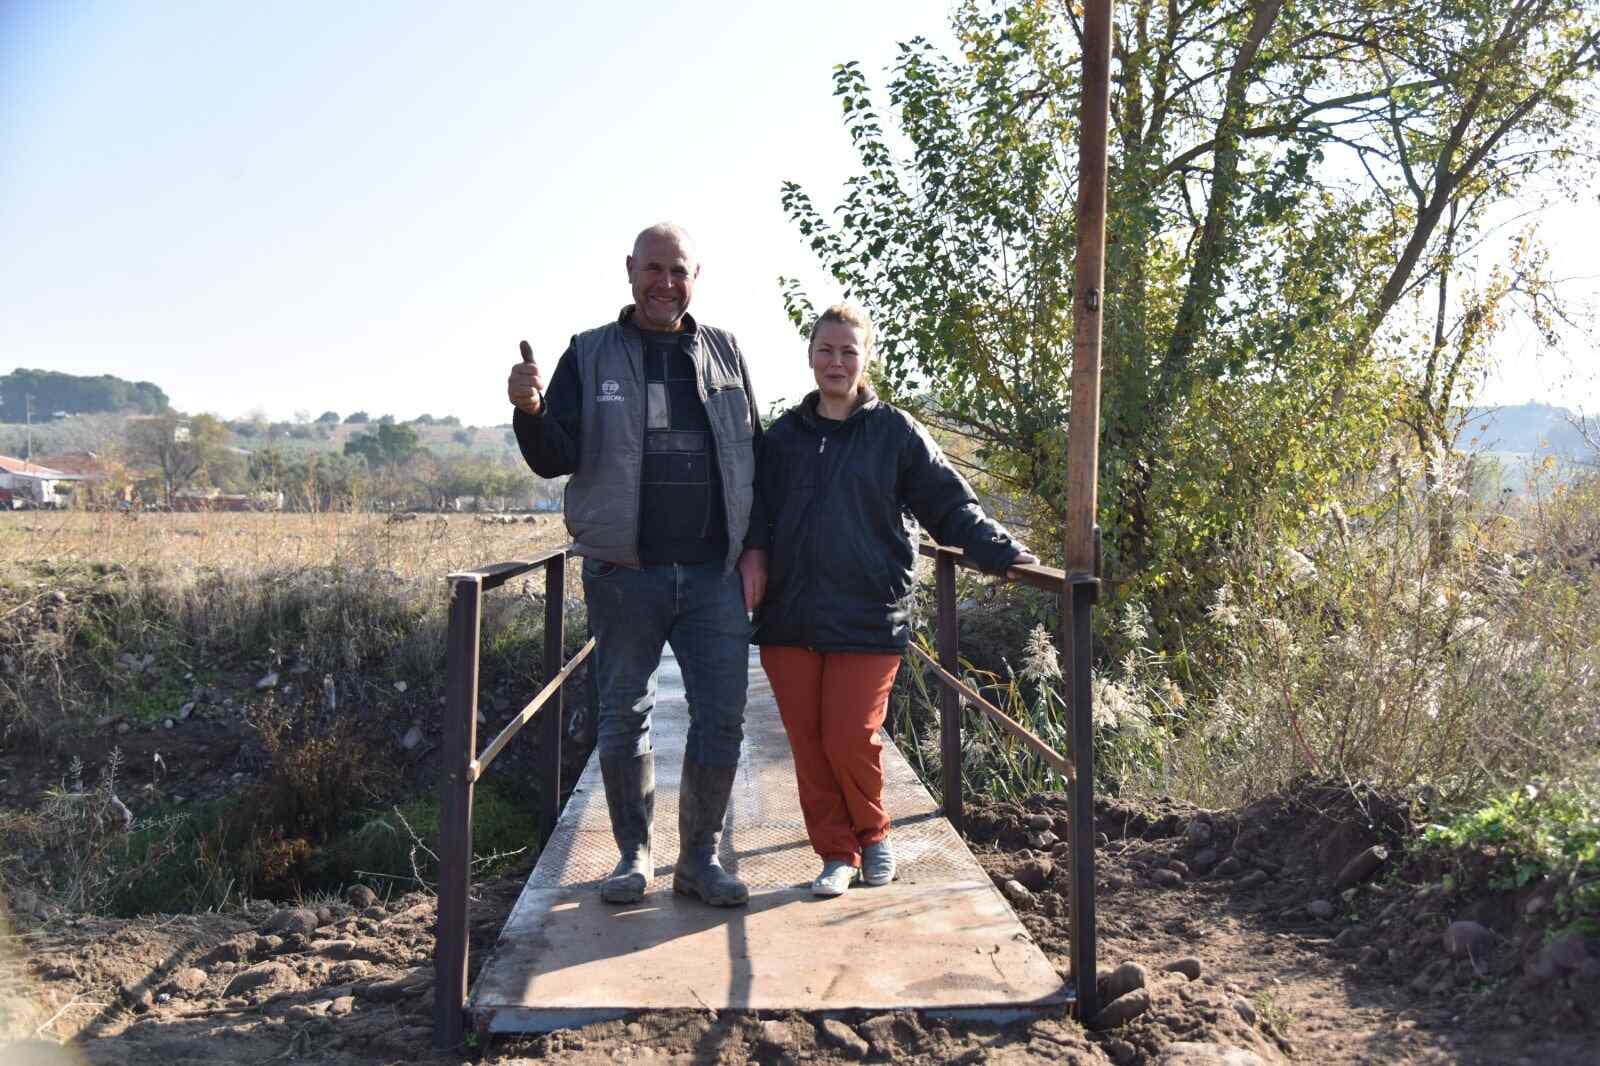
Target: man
(653,417)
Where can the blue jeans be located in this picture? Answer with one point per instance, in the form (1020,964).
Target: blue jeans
(699,610)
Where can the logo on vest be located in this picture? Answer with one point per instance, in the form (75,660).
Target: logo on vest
(610,392)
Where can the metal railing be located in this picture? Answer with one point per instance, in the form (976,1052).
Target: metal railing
(463,765)
(1078,594)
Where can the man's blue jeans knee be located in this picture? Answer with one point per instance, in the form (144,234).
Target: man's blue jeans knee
(700,611)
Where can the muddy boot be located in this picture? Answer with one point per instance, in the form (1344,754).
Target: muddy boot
(702,804)
(631,798)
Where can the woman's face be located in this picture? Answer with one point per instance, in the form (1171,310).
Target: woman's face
(839,359)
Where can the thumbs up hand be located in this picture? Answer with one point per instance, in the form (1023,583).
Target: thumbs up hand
(525,386)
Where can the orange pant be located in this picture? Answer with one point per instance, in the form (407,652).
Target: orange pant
(832,705)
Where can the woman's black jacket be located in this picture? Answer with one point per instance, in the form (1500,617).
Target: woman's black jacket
(839,503)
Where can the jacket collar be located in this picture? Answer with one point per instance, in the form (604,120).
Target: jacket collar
(866,400)
(691,328)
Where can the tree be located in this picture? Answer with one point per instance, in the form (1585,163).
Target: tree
(1280,169)
(181,449)
(358,418)
(388,445)
(52,391)
(328,418)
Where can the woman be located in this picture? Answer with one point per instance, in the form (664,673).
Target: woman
(837,476)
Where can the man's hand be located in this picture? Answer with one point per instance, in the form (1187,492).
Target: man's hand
(525,386)
(753,572)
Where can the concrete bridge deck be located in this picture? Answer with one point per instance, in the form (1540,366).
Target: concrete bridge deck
(939,939)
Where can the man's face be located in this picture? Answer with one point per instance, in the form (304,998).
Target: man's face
(662,273)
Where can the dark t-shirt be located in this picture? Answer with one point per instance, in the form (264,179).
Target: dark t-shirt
(682,512)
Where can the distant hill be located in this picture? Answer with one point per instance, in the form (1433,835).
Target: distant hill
(1524,429)
(53,392)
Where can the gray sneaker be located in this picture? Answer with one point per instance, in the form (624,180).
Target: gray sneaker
(835,878)
(877,863)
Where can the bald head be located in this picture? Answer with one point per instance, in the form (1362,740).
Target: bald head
(662,272)
(667,231)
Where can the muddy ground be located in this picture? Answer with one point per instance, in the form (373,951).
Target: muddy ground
(1249,946)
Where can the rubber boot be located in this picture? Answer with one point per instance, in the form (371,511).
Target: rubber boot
(702,805)
(631,797)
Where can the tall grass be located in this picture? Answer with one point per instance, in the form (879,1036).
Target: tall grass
(1412,638)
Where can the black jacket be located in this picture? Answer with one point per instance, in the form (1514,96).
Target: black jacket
(839,505)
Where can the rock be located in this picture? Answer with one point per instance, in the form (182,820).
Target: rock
(1229,867)
(1244,1010)
(1193,1053)
(324,916)
(400,686)
(399,988)
(846,1039)
(292,920)
(1565,953)
(1370,956)
(138,997)
(1253,879)
(1361,868)
(1189,967)
(776,1034)
(361,897)
(341,1006)
(1349,938)
(412,738)
(1179,868)
(1122,1010)
(228,951)
(123,728)
(1043,839)
(186,982)
(268,680)
(1122,980)
(349,972)
(1467,940)
(266,945)
(168,723)
(1039,822)
(1204,859)
(1167,878)
(336,949)
(1199,833)
(885,1034)
(264,980)
(1036,873)
(1018,894)
(1320,909)
(185,711)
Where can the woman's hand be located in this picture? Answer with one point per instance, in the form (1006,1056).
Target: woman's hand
(753,573)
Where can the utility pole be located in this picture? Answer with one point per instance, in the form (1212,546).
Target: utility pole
(27,415)
(1081,535)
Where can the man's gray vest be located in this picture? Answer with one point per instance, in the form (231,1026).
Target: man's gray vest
(602,498)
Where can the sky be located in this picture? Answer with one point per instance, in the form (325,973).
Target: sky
(302,207)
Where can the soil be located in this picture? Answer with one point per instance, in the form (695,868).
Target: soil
(1249,947)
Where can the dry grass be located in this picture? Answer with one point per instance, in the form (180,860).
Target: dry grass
(424,547)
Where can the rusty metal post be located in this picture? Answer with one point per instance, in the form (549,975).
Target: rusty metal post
(949,699)
(455,810)
(555,617)
(1083,462)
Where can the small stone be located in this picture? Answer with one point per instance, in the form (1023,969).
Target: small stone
(186,982)
(1179,868)
(1349,938)
(1320,909)
(1122,1010)
(400,686)
(1039,822)
(1036,873)
(123,729)
(846,1039)
(1122,980)
(1253,879)
(1467,940)
(1229,867)
(1167,878)
(1044,839)
(361,897)
(342,1005)
(292,920)
(168,723)
(185,711)
(1199,833)
(1018,894)
(776,1034)
(1361,868)
(274,976)
(136,996)
(267,680)
(1204,859)
(1189,967)
(412,738)
(1244,1010)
